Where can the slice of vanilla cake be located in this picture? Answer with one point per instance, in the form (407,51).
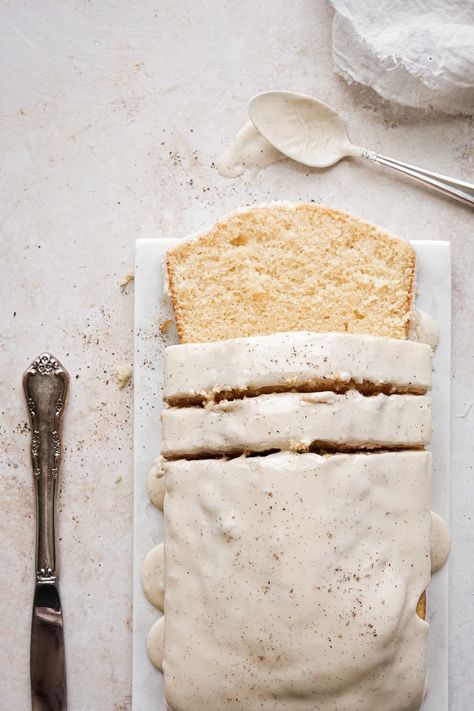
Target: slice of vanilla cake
(297,360)
(291,267)
(298,422)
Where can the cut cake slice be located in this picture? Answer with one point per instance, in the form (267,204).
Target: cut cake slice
(291,267)
(295,361)
(298,422)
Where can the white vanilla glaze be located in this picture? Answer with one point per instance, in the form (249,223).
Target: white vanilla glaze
(153,576)
(423,328)
(155,643)
(295,420)
(440,542)
(248,151)
(301,127)
(309,132)
(156,484)
(290,360)
(292,582)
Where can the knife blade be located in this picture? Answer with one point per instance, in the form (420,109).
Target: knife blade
(47,664)
(45,385)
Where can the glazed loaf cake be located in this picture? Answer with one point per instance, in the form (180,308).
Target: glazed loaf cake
(297,550)
(245,524)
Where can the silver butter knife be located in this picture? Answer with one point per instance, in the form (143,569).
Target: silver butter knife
(45,384)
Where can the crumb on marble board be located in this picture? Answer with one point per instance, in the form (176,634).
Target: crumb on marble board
(127,279)
(123,373)
(164,326)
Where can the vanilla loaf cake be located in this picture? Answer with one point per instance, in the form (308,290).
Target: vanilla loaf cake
(297,513)
(292,267)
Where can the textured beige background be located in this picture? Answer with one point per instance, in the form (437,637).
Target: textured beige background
(111,116)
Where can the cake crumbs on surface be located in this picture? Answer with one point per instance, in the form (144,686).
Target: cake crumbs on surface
(126,279)
(164,325)
(123,374)
(297,446)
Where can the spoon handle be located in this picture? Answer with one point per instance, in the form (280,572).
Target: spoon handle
(449,186)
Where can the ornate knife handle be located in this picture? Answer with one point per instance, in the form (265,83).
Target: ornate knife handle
(45,384)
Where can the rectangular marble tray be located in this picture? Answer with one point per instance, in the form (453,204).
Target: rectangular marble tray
(151,309)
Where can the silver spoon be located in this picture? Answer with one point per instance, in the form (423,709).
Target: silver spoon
(311,132)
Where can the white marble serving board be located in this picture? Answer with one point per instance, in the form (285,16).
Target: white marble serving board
(151,309)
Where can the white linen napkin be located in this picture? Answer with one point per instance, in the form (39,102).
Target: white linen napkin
(415,52)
